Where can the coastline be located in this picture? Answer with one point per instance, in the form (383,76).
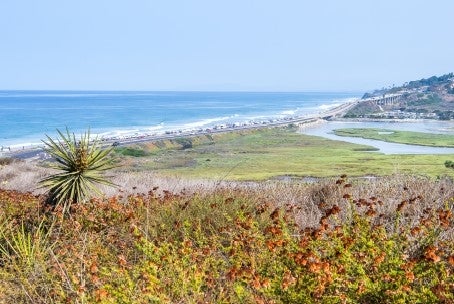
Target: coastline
(37,151)
(307,123)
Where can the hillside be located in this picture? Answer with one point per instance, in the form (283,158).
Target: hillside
(431,98)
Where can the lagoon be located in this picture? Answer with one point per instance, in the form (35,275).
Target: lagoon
(426,126)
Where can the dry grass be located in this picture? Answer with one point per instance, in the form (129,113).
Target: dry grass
(338,240)
(23,177)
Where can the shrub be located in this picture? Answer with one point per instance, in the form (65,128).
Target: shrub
(132,151)
(6,161)
(82,163)
(234,245)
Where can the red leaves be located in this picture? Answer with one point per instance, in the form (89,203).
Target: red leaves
(94,268)
(444,216)
(347,196)
(430,253)
(274,244)
(371,212)
(334,210)
(415,230)
(451,260)
(101,294)
(273,230)
(122,261)
(288,280)
(410,276)
(401,205)
(261,208)
(232,273)
(379,259)
(274,216)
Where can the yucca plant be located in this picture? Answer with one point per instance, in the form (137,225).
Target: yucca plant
(23,247)
(82,163)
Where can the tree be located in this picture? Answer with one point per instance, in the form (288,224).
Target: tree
(81,164)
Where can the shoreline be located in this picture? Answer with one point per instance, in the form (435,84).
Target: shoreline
(37,151)
(303,122)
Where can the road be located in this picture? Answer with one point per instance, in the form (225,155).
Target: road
(38,153)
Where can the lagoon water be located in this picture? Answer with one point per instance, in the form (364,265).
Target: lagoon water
(26,116)
(426,126)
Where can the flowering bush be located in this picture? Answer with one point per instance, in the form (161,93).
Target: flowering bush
(228,246)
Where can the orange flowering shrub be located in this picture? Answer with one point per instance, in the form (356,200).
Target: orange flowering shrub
(227,246)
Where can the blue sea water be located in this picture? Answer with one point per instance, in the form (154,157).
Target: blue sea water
(26,116)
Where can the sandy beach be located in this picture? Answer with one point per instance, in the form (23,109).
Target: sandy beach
(37,151)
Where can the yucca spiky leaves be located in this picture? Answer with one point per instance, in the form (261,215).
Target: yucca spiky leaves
(82,163)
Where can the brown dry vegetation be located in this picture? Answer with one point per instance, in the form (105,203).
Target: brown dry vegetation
(385,240)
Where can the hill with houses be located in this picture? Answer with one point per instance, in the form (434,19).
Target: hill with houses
(431,98)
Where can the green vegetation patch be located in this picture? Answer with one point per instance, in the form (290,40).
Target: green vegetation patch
(267,153)
(132,151)
(429,99)
(402,137)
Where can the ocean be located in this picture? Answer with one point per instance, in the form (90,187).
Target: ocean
(27,116)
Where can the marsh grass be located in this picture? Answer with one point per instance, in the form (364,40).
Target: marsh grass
(402,137)
(265,154)
(240,156)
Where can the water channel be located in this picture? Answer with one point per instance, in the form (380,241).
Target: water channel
(326,130)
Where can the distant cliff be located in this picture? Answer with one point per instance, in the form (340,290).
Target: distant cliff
(424,98)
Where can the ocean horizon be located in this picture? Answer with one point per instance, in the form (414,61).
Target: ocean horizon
(27,116)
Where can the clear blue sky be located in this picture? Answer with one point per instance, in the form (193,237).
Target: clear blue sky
(262,45)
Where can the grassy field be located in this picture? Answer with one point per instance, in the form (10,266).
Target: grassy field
(402,137)
(272,153)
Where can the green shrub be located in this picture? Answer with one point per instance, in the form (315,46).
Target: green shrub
(81,162)
(130,151)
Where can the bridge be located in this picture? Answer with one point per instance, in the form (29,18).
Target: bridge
(386,99)
(338,111)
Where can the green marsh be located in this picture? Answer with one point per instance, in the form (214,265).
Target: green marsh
(402,137)
(271,153)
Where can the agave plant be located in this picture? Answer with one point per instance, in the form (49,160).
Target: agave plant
(82,163)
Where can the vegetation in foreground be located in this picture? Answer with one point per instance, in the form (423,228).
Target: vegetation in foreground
(272,153)
(401,137)
(80,162)
(387,240)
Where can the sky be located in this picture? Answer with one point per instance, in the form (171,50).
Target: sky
(223,45)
